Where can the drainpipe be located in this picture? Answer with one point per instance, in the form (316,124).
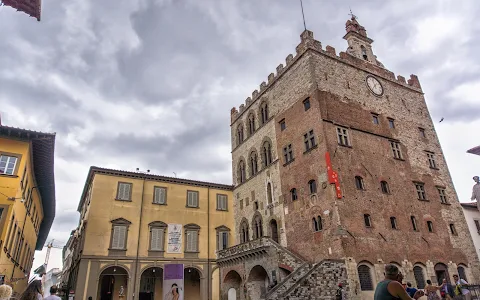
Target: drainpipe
(208,244)
(138,242)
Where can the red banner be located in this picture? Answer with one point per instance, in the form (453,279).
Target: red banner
(333,176)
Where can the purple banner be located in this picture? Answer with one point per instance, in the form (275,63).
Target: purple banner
(173,271)
(173,282)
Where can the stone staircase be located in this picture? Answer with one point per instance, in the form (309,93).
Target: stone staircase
(288,282)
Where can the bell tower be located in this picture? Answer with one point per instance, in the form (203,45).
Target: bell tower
(359,44)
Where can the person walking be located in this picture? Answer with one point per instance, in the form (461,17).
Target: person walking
(390,288)
(5,292)
(34,291)
(431,290)
(461,287)
(53,294)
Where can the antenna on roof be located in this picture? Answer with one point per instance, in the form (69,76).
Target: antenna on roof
(354,17)
(303,15)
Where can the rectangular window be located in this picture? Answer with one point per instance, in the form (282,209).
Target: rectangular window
(342,134)
(393,222)
(192,241)
(391,123)
(222,202)
(283,125)
(420,188)
(309,140)
(119,237)
(22,183)
(452,229)
(124,191)
(192,199)
(397,153)
(375,119)
(12,238)
(477,224)
(288,153)
(241,204)
(306,104)
(422,132)
(160,195)
(222,240)
(367,220)
(431,160)
(414,223)
(443,196)
(157,239)
(255,205)
(430,226)
(8,164)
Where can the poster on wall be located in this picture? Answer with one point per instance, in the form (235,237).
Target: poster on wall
(174,238)
(173,282)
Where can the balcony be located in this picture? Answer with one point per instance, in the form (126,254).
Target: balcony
(249,249)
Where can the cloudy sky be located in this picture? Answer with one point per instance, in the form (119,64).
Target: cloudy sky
(150,83)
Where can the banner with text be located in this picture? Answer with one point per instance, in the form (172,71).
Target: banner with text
(174,238)
(173,282)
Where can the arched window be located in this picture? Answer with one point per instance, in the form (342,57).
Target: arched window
(367,220)
(365,276)
(430,226)
(257,226)
(253,163)
(267,154)
(384,186)
(312,185)
(419,277)
(241,172)
(269,193)
(239,134)
(293,193)
(462,273)
(264,112)
(244,232)
(317,223)
(364,52)
(359,183)
(251,124)
(393,222)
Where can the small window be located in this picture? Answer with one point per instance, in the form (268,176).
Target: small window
(477,225)
(309,140)
(242,173)
(293,194)
(452,229)
(443,196)
(384,186)
(8,164)
(157,238)
(391,123)
(251,124)
(420,188)
(430,226)
(414,223)
(367,220)
(342,134)
(393,222)
(317,223)
(264,113)
(288,153)
(255,205)
(422,132)
(222,242)
(267,154)
(359,183)
(119,237)
(283,125)
(364,52)
(312,184)
(124,191)
(192,199)
(240,134)
(222,202)
(241,203)
(431,160)
(160,195)
(191,244)
(375,119)
(306,104)
(397,153)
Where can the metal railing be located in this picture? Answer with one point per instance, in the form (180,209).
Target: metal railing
(474,290)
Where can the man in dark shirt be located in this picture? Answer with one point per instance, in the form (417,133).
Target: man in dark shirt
(411,290)
(390,288)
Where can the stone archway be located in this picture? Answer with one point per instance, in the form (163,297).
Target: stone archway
(232,284)
(192,284)
(441,271)
(151,284)
(113,283)
(257,283)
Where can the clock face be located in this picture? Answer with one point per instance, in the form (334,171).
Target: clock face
(375,86)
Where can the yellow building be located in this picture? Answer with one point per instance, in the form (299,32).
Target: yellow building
(27,200)
(127,235)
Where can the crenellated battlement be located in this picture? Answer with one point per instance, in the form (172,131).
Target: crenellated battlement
(308,42)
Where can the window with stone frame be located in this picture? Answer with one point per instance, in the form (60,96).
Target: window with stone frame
(191,237)
(422,132)
(8,164)
(342,136)
(222,202)
(384,186)
(267,153)
(393,222)
(391,123)
(309,140)
(264,112)
(306,104)
(431,160)
(375,119)
(420,188)
(288,153)
(257,225)
(367,220)
(253,163)
(359,183)
(396,150)
(283,125)
(442,195)
(430,226)
(414,223)
(365,277)
(160,195)
(240,136)
(223,233)
(119,234)
(192,199)
(157,235)
(124,191)
(312,186)
(251,124)
(241,175)
(244,233)
(293,194)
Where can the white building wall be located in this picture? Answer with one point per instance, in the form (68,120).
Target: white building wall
(472,214)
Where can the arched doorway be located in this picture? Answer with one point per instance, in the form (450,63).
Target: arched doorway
(192,284)
(232,284)
(257,283)
(113,283)
(274,230)
(441,271)
(151,284)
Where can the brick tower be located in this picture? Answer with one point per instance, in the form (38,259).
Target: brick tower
(338,170)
